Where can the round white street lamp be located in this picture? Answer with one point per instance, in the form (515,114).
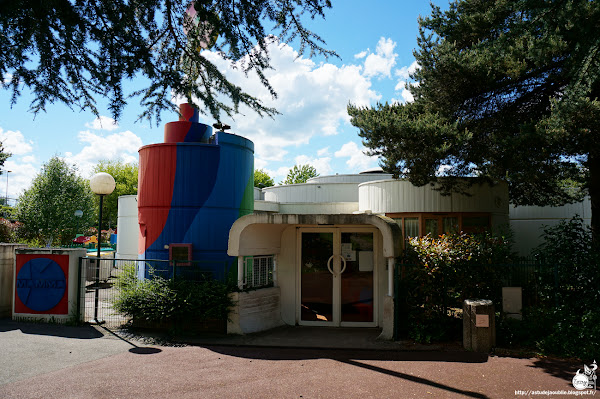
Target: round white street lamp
(101,184)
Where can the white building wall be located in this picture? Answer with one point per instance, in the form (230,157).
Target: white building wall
(527,222)
(258,194)
(127,227)
(326,208)
(391,196)
(357,178)
(312,193)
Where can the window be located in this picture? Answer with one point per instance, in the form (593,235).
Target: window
(258,271)
(475,224)
(411,227)
(181,254)
(435,224)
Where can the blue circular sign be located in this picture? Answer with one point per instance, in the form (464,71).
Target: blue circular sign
(41,284)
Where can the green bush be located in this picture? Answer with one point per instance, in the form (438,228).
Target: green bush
(568,308)
(440,272)
(158,299)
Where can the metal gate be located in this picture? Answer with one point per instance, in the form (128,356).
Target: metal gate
(100,284)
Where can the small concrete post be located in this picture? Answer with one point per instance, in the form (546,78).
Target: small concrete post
(479,326)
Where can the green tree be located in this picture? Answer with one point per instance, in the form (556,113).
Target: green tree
(3,156)
(300,174)
(126,182)
(262,179)
(73,52)
(505,90)
(47,208)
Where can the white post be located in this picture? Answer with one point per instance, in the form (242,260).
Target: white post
(241,272)
(391,265)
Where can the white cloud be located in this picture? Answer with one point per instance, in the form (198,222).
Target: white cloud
(29,159)
(407,96)
(323,151)
(121,146)
(322,165)
(380,63)
(22,169)
(405,72)
(7,78)
(362,54)
(14,142)
(19,179)
(312,99)
(358,161)
(404,75)
(103,123)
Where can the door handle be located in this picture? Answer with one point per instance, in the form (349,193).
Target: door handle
(329,265)
(343,260)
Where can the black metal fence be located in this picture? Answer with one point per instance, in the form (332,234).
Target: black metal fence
(100,283)
(423,292)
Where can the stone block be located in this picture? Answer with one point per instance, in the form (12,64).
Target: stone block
(479,325)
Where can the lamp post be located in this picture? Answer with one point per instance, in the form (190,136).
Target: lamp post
(101,184)
(7,172)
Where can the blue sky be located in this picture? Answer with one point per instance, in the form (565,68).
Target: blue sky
(374,40)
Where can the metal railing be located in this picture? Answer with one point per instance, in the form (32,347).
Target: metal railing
(100,284)
(258,271)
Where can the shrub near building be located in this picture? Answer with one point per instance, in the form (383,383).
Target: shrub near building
(440,272)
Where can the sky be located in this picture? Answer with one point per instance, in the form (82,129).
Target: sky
(374,40)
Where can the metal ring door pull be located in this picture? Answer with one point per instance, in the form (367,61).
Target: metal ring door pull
(329,265)
(344,260)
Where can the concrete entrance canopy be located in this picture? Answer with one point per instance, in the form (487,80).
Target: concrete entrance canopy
(277,235)
(259,234)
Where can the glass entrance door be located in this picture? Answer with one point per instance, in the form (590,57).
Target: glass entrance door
(337,275)
(316,286)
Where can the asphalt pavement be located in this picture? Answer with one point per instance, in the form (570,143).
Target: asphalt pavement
(53,361)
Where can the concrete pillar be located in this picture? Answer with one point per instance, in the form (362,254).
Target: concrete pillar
(387,331)
(479,326)
(7,261)
(241,272)
(391,265)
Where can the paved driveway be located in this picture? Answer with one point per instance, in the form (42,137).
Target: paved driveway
(108,367)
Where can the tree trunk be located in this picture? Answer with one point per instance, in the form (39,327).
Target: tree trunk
(594,191)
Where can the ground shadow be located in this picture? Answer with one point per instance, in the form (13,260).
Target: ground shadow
(562,368)
(287,353)
(353,357)
(57,330)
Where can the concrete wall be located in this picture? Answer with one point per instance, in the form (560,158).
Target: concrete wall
(527,222)
(7,264)
(255,311)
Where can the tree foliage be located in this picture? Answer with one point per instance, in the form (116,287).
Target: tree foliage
(505,90)
(73,52)
(300,174)
(47,208)
(262,179)
(3,157)
(126,183)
